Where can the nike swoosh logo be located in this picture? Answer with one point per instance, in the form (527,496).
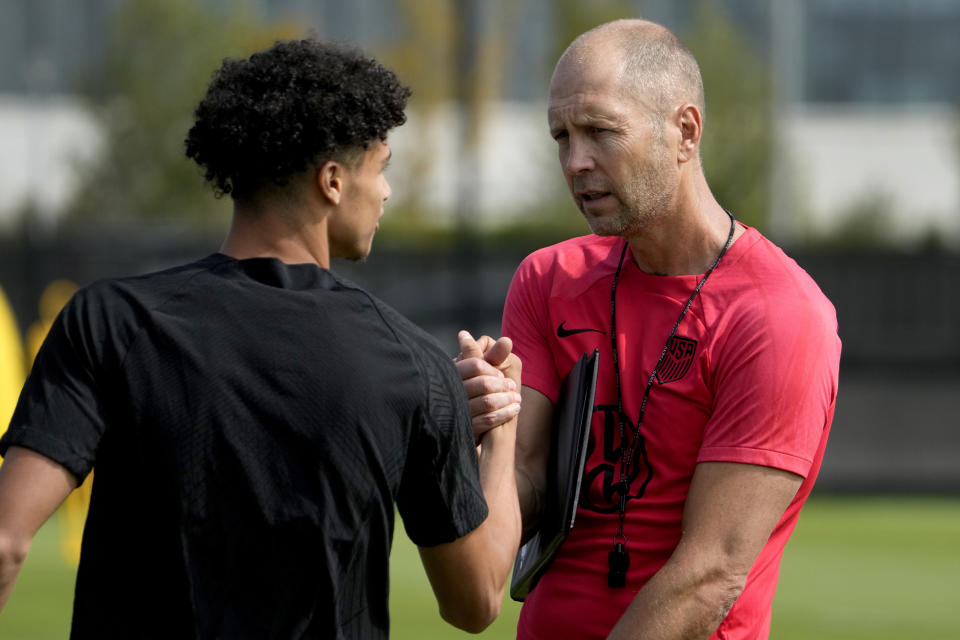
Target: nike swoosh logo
(566,333)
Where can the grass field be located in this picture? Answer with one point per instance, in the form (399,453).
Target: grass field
(856,568)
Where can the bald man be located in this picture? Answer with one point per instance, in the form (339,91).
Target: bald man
(718,370)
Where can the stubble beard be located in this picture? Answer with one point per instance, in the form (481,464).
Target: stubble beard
(643,199)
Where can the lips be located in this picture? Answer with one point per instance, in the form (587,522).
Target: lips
(591,199)
(588,196)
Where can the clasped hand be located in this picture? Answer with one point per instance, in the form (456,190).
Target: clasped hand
(491,378)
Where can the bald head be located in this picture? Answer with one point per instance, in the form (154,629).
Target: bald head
(651,65)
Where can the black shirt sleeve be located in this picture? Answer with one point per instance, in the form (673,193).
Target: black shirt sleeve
(59,413)
(440,496)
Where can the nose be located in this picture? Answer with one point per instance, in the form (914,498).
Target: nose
(578,158)
(387,191)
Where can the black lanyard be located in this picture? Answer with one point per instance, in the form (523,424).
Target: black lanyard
(619,559)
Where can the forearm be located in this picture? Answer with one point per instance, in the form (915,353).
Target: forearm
(12,555)
(469,575)
(731,510)
(531,500)
(31,488)
(533,446)
(503,524)
(681,601)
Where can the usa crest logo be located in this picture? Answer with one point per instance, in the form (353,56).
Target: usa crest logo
(676,363)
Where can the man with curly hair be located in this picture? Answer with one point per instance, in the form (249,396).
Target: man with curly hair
(253,418)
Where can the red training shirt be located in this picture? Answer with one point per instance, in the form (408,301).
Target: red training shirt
(751,377)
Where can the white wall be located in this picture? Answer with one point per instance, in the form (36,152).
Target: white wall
(909,156)
(40,142)
(838,156)
(515,168)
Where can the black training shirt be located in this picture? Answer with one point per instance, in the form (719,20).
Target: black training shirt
(252,425)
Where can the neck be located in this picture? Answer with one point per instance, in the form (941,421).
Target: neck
(683,241)
(277,232)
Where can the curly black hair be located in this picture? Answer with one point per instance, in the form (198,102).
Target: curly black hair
(268,117)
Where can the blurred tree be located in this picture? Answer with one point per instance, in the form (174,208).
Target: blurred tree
(453,56)
(159,59)
(423,60)
(736,147)
(573,17)
(866,223)
(423,57)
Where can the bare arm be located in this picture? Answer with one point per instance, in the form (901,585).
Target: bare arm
(533,449)
(469,575)
(32,486)
(729,514)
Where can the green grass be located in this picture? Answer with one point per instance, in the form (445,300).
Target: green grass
(872,568)
(856,568)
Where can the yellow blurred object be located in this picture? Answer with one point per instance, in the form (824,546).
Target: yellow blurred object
(52,300)
(12,369)
(70,519)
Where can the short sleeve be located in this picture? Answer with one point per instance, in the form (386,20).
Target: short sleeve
(526,323)
(440,497)
(59,413)
(776,386)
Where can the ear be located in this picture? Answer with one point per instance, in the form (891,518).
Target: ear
(691,128)
(330,181)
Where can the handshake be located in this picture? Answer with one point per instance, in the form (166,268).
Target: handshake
(491,377)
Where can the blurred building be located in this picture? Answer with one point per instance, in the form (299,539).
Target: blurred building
(865,116)
(865,110)
(866,95)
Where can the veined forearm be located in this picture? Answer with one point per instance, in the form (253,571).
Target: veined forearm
(533,446)
(729,514)
(679,603)
(531,502)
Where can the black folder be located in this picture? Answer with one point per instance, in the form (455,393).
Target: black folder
(568,453)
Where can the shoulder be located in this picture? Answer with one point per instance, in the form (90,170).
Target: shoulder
(424,350)
(147,290)
(576,254)
(764,296)
(430,377)
(111,310)
(761,272)
(576,263)
(403,328)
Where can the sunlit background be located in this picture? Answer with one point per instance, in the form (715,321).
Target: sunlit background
(831,126)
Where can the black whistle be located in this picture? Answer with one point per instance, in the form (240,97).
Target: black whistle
(619,561)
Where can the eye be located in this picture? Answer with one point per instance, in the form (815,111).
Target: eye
(560,135)
(596,130)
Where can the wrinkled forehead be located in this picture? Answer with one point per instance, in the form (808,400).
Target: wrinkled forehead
(587,68)
(594,85)
(581,79)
